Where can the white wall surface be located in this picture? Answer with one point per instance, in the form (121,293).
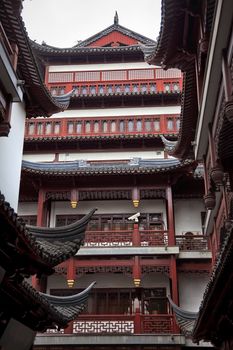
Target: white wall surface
(188,215)
(111,112)
(27,208)
(99,66)
(108,207)
(11,149)
(41,157)
(191,289)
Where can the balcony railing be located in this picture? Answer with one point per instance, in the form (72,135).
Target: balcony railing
(119,324)
(144,238)
(109,126)
(116,82)
(192,243)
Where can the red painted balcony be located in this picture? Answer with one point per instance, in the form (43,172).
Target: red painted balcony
(116,82)
(120,324)
(102,126)
(144,238)
(192,242)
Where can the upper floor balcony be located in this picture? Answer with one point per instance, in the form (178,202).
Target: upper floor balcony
(103,126)
(116,82)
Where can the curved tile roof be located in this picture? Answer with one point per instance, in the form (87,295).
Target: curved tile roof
(69,306)
(43,248)
(39,101)
(136,165)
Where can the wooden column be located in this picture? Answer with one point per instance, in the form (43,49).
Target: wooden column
(137,271)
(174,285)
(41,210)
(170,217)
(136,236)
(71,272)
(74,198)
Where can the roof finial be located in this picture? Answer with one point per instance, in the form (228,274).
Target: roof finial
(116,18)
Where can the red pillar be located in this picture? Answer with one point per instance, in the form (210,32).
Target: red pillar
(137,322)
(136,236)
(41,211)
(137,271)
(71,272)
(174,284)
(170,217)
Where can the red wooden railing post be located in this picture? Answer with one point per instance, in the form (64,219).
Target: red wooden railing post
(41,211)
(137,322)
(136,241)
(69,329)
(175,294)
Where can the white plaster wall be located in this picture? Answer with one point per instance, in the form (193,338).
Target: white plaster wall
(112,112)
(110,155)
(188,215)
(110,280)
(41,157)
(97,67)
(108,207)
(11,149)
(27,208)
(191,290)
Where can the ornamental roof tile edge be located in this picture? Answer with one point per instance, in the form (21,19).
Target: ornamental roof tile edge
(69,306)
(47,246)
(185,319)
(39,100)
(223,264)
(75,167)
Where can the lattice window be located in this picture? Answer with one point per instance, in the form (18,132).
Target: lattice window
(156,123)
(155,301)
(177,123)
(57,127)
(148,125)
(105,126)
(167,87)
(78,127)
(143,88)
(141,74)
(61,90)
(87,76)
(31,128)
(70,127)
(139,125)
(170,124)
(84,90)
(96,126)
(152,88)
(101,89)
(48,128)
(114,75)
(87,127)
(130,125)
(113,126)
(135,88)
(127,88)
(122,125)
(39,128)
(118,89)
(176,87)
(60,77)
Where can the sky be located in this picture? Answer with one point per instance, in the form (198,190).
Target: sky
(63,23)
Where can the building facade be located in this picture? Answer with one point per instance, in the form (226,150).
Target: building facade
(106,151)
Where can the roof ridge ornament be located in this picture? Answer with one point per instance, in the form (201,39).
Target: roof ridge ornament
(116,18)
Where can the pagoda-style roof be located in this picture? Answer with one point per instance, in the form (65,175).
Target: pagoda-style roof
(39,101)
(177,47)
(218,301)
(134,166)
(42,248)
(114,38)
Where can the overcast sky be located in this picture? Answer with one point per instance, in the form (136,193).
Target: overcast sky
(62,23)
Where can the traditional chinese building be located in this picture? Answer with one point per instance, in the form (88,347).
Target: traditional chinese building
(106,151)
(202,47)
(27,251)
